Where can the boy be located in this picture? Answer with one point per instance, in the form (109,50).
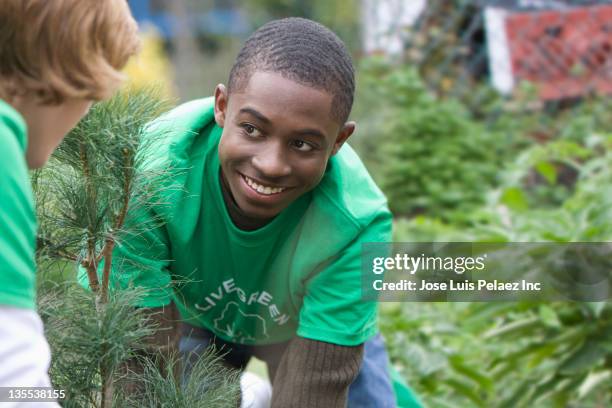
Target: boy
(264,233)
(56,57)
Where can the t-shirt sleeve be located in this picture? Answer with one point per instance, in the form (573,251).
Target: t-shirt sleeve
(333,310)
(141,259)
(17,227)
(24,352)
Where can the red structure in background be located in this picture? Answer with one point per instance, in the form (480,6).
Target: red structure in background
(566,53)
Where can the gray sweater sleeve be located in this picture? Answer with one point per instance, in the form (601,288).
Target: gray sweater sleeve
(315,374)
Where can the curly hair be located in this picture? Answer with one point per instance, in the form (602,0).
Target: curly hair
(64,48)
(303,51)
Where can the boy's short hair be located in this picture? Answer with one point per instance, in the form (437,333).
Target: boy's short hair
(303,51)
(64,48)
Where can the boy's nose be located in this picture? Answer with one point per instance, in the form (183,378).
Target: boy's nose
(272,163)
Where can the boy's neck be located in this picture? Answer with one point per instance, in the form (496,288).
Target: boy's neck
(239,218)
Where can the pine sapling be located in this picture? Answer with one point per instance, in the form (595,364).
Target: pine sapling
(95,176)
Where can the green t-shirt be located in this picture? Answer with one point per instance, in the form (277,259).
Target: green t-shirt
(17,216)
(300,273)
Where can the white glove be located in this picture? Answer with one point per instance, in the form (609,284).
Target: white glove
(256,392)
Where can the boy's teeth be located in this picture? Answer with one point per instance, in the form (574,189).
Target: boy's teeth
(263,189)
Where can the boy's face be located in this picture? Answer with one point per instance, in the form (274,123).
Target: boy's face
(277,138)
(48,125)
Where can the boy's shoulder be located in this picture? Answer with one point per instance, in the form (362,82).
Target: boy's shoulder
(347,209)
(172,135)
(13,144)
(180,125)
(192,115)
(349,191)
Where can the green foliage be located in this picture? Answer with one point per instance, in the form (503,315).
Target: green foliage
(503,354)
(88,339)
(532,172)
(84,193)
(516,354)
(340,16)
(437,159)
(516,215)
(208,384)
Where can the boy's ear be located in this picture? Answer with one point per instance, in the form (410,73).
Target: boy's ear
(346,131)
(220,104)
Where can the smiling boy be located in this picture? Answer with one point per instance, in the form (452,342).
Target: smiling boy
(264,233)
(278,137)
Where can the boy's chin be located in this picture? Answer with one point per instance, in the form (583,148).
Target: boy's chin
(36,160)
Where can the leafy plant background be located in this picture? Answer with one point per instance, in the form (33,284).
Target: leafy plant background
(452,176)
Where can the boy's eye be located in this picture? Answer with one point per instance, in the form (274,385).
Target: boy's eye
(250,130)
(302,146)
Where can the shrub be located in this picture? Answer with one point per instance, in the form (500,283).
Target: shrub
(437,159)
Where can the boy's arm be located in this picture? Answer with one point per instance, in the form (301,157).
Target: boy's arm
(320,364)
(334,309)
(315,374)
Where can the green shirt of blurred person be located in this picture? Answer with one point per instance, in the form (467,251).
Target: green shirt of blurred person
(49,77)
(17,218)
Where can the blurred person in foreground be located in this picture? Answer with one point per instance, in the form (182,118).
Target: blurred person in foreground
(269,209)
(56,58)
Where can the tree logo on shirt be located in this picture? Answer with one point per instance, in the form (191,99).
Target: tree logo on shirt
(234,322)
(228,324)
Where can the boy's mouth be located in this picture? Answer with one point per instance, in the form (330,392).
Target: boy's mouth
(262,188)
